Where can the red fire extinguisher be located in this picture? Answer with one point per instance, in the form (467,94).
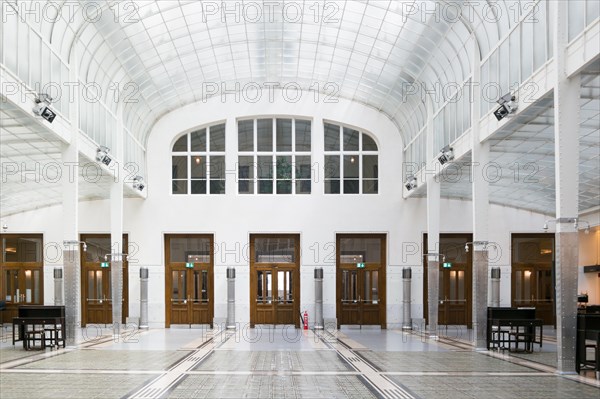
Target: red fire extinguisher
(305,320)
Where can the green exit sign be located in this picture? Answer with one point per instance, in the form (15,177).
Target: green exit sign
(104,264)
(360,265)
(447,265)
(189,265)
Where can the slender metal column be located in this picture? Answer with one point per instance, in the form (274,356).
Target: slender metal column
(406,280)
(319,298)
(144,298)
(566,153)
(58,287)
(230,298)
(495,287)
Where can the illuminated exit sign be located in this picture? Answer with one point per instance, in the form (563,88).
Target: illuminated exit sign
(447,265)
(104,264)
(189,265)
(360,265)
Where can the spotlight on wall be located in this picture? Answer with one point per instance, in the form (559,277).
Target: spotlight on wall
(138,183)
(411,182)
(575,222)
(103,155)
(42,107)
(67,243)
(507,106)
(480,244)
(446,155)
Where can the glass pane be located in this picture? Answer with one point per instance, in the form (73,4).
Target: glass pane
(246,187)
(189,249)
(537,250)
(179,168)
(217,167)
(284,135)
(179,187)
(375,286)
(284,186)
(332,186)
(198,167)
(281,286)
(303,167)
(303,135)
(354,250)
(284,167)
(332,137)
(259,286)
(351,166)
(303,186)
(246,135)
(370,186)
(264,134)
(246,167)
(349,285)
(217,186)
(442,289)
(350,139)
(367,285)
(22,249)
(97,248)
(518,286)
(198,140)
(204,286)
(370,167)
(545,291)
(198,186)
(181,144)
(179,286)
(368,143)
(268,287)
(265,167)
(332,166)
(453,281)
(99,291)
(527,285)
(351,186)
(274,250)
(91,278)
(217,138)
(461,285)
(453,248)
(290,287)
(197,281)
(265,187)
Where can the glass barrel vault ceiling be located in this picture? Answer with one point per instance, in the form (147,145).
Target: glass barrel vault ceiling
(366,51)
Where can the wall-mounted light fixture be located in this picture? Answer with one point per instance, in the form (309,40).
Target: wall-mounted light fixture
(103,155)
(575,222)
(484,244)
(42,107)
(411,183)
(138,183)
(68,243)
(507,106)
(446,155)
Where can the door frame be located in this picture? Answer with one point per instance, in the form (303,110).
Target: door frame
(169,276)
(295,276)
(83,269)
(468,278)
(382,275)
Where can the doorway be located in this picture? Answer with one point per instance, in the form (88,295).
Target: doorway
(96,284)
(455,307)
(361,264)
(533,274)
(275,279)
(189,276)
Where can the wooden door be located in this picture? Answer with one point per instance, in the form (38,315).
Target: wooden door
(21,273)
(455,280)
(274,279)
(361,279)
(189,279)
(96,281)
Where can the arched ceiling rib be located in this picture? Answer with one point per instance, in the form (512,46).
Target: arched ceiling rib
(372,50)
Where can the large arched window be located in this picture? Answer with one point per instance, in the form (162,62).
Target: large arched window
(274,156)
(198,162)
(351,161)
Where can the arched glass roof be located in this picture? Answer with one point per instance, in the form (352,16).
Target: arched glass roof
(169,53)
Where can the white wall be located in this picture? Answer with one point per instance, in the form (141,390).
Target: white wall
(316,217)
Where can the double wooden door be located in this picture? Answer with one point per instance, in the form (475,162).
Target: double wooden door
(275,279)
(96,280)
(361,279)
(189,291)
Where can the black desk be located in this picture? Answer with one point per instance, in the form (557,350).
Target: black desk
(588,330)
(50,318)
(495,336)
(518,331)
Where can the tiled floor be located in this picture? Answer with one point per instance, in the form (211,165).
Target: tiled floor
(283,363)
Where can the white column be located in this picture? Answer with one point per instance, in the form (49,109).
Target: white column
(116,228)
(70,218)
(480,190)
(566,142)
(433,233)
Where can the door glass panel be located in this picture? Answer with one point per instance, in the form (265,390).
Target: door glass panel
(107,277)
(367,286)
(532,250)
(268,287)
(189,249)
(354,250)
(284,286)
(453,279)
(349,286)
(22,249)
(527,285)
(375,286)
(259,286)
(99,276)
(13,294)
(453,249)
(197,286)
(97,248)
(178,288)
(274,250)
(518,286)
(544,286)
(441,289)
(461,285)
(204,286)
